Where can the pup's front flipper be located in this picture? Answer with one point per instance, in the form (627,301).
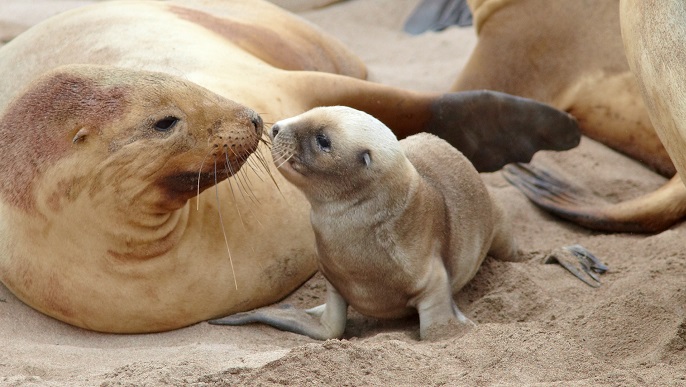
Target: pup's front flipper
(330,325)
(439,317)
(580,262)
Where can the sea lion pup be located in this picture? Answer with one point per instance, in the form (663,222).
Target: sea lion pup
(570,55)
(247,51)
(400,226)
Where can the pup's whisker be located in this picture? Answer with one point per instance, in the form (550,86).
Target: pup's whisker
(285,161)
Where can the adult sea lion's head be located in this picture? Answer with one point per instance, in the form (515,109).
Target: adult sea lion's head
(137,139)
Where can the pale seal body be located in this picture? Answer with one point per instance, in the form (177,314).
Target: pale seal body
(99,181)
(571,55)
(400,226)
(654,39)
(101,261)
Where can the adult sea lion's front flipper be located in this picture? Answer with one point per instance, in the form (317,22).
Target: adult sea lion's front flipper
(650,213)
(493,129)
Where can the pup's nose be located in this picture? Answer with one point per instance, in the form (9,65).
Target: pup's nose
(275,130)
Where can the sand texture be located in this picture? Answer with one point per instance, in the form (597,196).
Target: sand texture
(537,325)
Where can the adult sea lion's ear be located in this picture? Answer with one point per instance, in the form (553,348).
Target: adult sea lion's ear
(493,129)
(80,136)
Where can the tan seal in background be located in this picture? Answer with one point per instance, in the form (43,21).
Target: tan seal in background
(654,39)
(570,55)
(400,226)
(302,5)
(250,52)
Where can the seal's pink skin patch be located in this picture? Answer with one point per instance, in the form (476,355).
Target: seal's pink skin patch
(37,128)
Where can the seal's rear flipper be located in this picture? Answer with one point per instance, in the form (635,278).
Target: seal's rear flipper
(437,15)
(493,129)
(650,213)
(580,262)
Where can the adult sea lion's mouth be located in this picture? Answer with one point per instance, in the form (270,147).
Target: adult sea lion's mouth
(190,182)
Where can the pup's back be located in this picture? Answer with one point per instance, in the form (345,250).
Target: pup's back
(475,222)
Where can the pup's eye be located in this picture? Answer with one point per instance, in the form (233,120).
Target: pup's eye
(166,124)
(323,142)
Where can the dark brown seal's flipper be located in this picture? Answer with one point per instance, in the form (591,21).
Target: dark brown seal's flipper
(650,213)
(437,15)
(490,128)
(493,129)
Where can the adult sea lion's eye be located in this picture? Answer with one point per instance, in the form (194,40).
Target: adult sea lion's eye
(323,142)
(166,124)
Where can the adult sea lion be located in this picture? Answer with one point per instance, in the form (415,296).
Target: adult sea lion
(570,55)
(400,226)
(96,228)
(121,249)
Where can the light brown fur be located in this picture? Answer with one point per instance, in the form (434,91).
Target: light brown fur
(107,213)
(570,54)
(118,253)
(654,39)
(397,232)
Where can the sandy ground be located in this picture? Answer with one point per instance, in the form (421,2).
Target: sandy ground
(537,325)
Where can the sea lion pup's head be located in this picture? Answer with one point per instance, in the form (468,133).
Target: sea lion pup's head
(137,140)
(334,152)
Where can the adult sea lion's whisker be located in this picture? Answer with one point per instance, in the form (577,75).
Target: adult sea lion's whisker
(263,160)
(229,181)
(251,163)
(235,175)
(221,221)
(250,208)
(245,180)
(260,163)
(249,186)
(255,167)
(266,139)
(240,183)
(197,197)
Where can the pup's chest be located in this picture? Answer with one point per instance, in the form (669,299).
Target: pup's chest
(374,280)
